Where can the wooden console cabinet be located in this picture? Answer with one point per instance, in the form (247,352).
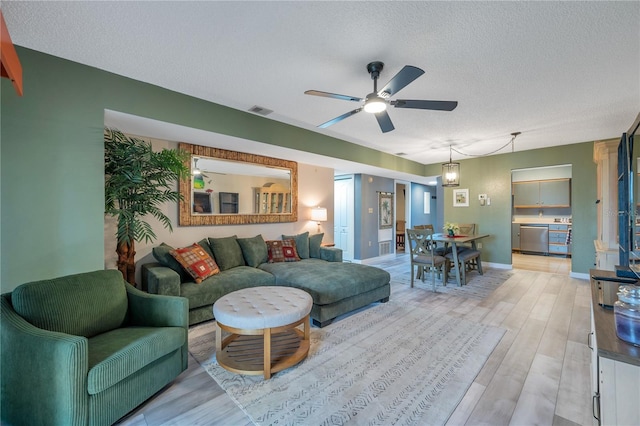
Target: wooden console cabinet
(615,366)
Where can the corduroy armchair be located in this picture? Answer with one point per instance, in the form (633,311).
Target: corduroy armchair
(86,349)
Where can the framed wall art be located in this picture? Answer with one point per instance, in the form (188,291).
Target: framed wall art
(385,210)
(461,197)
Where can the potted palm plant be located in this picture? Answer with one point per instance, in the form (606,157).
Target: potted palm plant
(138,181)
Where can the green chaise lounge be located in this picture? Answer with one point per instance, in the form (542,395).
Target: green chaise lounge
(336,287)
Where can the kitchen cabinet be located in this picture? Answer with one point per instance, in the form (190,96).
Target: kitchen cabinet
(542,193)
(615,366)
(559,239)
(515,236)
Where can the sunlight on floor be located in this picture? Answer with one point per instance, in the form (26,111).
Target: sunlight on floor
(531,262)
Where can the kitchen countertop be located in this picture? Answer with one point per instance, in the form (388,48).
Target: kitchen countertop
(609,345)
(539,222)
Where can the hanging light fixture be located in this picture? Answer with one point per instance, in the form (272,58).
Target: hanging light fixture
(450,172)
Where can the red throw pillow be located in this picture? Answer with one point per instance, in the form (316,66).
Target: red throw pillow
(196,262)
(282,251)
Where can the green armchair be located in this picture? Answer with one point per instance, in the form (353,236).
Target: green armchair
(86,349)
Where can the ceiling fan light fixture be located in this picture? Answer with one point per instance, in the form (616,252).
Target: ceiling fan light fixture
(374,104)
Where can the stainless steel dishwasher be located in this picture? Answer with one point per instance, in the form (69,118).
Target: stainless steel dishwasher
(534,238)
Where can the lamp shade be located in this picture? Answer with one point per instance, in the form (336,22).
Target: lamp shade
(319,214)
(451,174)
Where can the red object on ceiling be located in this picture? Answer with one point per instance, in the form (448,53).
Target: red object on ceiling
(9,63)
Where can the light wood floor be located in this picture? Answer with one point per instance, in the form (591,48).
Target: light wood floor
(538,374)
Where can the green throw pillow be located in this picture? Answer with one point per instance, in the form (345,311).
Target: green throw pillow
(302,244)
(315,241)
(227,252)
(254,250)
(162,253)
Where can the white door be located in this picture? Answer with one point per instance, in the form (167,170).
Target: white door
(344,216)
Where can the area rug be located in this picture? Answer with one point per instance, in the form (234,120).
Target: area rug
(391,363)
(477,287)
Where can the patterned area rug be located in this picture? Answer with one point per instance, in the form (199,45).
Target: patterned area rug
(477,287)
(391,363)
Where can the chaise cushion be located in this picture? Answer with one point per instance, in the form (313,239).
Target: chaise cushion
(254,250)
(82,305)
(117,354)
(214,287)
(227,252)
(328,282)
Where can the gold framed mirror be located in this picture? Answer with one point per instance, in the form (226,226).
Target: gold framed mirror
(236,188)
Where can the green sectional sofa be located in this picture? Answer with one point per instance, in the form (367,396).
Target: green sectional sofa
(86,349)
(336,287)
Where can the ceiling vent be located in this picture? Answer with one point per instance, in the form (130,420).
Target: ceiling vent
(260,110)
(400,153)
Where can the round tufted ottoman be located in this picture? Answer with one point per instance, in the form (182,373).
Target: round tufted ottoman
(262,325)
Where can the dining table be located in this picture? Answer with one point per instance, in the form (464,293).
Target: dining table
(457,240)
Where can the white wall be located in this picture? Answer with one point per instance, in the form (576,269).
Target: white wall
(315,188)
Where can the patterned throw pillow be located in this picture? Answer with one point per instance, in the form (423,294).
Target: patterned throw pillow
(282,251)
(195,260)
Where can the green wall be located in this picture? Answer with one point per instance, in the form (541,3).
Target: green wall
(492,176)
(51,168)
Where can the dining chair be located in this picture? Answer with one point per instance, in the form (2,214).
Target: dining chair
(468,229)
(423,256)
(467,260)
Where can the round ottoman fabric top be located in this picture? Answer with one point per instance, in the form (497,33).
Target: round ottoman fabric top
(262,307)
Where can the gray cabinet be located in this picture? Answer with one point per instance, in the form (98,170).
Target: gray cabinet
(542,193)
(559,239)
(515,236)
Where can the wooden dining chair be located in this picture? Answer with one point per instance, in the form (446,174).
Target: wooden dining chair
(468,229)
(423,256)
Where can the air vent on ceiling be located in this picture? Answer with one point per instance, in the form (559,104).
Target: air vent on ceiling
(260,110)
(400,153)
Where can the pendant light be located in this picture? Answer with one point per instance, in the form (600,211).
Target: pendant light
(450,172)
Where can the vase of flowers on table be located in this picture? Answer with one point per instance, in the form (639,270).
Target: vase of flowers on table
(451,229)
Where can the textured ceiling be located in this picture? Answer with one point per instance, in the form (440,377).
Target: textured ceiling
(559,72)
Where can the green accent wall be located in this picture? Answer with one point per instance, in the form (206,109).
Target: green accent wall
(492,176)
(52,174)
(52,179)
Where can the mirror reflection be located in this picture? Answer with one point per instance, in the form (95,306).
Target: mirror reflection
(231,187)
(235,188)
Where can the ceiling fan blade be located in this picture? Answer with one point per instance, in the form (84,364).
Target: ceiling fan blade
(400,80)
(384,121)
(340,118)
(421,104)
(333,95)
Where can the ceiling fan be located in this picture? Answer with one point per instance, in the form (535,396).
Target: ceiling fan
(376,102)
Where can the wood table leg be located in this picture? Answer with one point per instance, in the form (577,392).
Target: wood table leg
(267,353)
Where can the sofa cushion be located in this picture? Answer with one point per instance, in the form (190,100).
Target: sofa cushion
(227,252)
(82,305)
(196,261)
(117,354)
(254,250)
(315,241)
(162,254)
(328,282)
(282,251)
(211,289)
(302,243)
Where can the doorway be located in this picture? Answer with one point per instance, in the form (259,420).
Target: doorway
(403,216)
(344,214)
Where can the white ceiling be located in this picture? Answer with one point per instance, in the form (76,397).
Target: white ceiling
(559,72)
